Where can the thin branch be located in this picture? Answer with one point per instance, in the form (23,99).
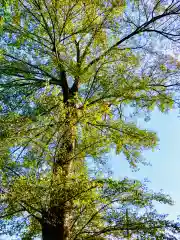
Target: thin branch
(138,30)
(31,65)
(12,213)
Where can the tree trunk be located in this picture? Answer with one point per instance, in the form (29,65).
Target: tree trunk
(57,219)
(54,223)
(50,232)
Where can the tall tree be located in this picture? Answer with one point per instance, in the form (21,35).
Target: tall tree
(74,75)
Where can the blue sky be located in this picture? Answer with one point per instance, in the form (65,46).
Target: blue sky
(165,170)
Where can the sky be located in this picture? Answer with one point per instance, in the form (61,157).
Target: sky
(165,170)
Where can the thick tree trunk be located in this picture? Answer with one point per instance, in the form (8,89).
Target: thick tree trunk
(58,218)
(56,223)
(50,232)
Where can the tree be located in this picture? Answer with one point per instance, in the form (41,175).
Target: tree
(118,209)
(74,75)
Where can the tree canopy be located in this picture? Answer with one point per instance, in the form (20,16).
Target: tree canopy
(75,75)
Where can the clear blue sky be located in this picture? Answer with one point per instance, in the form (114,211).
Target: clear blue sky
(165,170)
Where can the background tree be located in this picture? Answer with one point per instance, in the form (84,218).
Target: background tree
(74,75)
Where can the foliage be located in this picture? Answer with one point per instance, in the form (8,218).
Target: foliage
(102,208)
(74,77)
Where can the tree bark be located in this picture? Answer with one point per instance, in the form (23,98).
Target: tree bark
(50,232)
(56,222)
(58,218)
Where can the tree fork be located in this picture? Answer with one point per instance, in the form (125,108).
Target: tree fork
(61,211)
